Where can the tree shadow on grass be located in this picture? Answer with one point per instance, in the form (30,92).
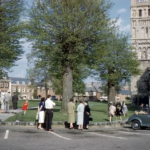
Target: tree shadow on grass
(99,111)
(106,119)
(56,110)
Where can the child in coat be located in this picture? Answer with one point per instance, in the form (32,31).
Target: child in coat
(25,107)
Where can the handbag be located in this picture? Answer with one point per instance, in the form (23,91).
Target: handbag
(90,119)
(37,114)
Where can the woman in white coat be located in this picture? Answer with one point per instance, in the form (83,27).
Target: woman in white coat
(80,115)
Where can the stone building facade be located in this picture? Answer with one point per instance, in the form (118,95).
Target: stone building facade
(140,40)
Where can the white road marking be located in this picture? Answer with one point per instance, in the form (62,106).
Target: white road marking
(60,136)
(134,133)
(110,136)
(6,134)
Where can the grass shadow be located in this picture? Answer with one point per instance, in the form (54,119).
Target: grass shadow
(56,110)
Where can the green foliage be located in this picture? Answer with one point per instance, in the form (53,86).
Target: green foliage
(17,92)
(10,32)
(65,33)
(119,62)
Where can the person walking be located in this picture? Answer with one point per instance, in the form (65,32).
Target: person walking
(25,107)
(41,113)
(86,114)
(49,104)
(71,113)
(112,111)
(7,98)
(80,115)
(124,109)
(15,102)
(118,113)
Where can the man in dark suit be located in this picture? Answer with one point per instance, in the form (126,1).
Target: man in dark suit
(15,102)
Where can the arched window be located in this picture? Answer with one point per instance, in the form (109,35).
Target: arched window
(148,12)
(142,32)
(134,33)
(144,54)
(139,53)
(148,53)
(140,13)
(146,30)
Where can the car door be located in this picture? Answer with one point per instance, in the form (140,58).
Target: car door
(148,119)
(144,119)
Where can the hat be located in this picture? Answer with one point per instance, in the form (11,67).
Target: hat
(86,102)
(110,102)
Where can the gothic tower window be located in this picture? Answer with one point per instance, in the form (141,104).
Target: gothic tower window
(142,32)
(148,12)
(144,55)
(140,13)
(148,53)
(146,30)
(134,33)
(139,53)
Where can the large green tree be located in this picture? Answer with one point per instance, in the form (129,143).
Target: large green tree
(10,32)
(118,63)
(67,31)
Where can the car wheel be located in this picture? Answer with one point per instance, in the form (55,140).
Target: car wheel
(135,125)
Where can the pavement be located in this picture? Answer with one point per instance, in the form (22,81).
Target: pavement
(30,138)
(5,116)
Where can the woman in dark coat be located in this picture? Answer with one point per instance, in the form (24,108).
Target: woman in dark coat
(15,102)
(86,114)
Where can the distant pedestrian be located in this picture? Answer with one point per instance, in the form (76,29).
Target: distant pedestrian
(71,113)
(41,113)
(124,109)
(7,98)
(80,115)
(25,107)
(141,107)
(15,102)
(2,103)
(147,108)
(112,111)
(118,113)
(49,104)
(86,114)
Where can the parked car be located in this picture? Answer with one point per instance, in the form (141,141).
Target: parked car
(103,98)
(139,121)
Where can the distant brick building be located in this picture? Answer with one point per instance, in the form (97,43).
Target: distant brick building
(22,86)
(15,84)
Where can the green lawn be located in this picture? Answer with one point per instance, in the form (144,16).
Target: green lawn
(98,112)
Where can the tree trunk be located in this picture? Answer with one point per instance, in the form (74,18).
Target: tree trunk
(66,88)
(111,92)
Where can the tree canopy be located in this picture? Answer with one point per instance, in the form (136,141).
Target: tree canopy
(118,63)
(68,32)
(10,32)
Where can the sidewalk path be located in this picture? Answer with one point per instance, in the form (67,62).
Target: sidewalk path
(4,116)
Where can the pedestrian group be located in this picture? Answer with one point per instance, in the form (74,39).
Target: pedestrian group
(117,110)
(83,113)
(5,102)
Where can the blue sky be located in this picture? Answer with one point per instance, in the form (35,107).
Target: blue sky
(121,9)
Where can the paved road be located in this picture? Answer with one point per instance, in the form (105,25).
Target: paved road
(30,138)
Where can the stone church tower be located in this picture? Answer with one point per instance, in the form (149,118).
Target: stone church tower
(140,40)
